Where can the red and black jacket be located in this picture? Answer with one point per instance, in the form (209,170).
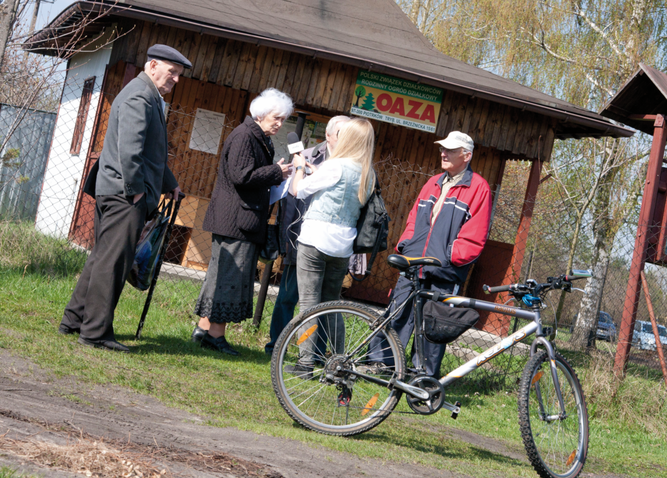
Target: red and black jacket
(458,234)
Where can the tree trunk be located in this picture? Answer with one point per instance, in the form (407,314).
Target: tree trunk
(583,335)
(570,261)
(7,18)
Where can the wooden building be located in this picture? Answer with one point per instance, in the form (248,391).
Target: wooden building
(316,52)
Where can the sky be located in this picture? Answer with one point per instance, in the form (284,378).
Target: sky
(49,9)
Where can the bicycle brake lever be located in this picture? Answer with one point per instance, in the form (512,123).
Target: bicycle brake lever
(580,290)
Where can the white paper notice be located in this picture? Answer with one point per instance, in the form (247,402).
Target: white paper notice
(207,131)
(280,191)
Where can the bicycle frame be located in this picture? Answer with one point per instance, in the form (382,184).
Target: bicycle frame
(417,298)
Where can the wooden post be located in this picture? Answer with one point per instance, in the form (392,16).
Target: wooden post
(658,343)
(641,244)
(501,323)
(521,241)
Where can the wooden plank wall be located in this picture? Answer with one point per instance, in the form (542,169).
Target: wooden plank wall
(327,87)
(227,74)
(196,171)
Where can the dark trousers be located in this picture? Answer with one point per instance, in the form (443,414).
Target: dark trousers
(404,325)
(320,279)
(283,310)
(118,225)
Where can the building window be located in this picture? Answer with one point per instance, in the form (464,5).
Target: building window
(82,116)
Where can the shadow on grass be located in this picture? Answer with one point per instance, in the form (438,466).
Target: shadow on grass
(169,345)
(434,443)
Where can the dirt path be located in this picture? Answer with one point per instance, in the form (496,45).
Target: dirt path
(56,428)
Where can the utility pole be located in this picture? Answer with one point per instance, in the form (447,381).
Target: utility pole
(8,10)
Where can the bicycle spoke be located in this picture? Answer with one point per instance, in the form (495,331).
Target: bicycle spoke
(328,397)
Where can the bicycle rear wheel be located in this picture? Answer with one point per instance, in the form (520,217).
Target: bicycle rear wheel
(328,398)
(557,445)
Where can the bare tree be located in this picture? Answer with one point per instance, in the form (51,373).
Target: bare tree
(581,51)
(8,11)
(33,81)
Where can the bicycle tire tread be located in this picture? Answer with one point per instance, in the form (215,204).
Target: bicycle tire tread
(295,323)
(524,416)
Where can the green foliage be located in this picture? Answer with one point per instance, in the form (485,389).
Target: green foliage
(11,158)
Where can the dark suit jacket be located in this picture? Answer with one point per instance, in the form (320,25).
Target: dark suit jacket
(239,206)
(293,209)
(134,156)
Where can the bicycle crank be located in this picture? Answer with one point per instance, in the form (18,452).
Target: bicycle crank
(436,395)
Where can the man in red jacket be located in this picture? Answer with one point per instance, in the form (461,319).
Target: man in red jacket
(450,221)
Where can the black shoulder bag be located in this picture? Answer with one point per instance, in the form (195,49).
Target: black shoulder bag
(372,229)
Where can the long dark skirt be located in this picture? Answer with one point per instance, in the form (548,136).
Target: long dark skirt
(227,292)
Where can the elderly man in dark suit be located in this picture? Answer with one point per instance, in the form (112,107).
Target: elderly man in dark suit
(130,176)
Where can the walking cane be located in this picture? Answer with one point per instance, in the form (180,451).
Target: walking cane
(167,235)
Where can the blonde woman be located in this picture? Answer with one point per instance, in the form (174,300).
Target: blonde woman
(340,187)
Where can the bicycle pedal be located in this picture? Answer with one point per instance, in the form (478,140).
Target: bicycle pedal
(456,414)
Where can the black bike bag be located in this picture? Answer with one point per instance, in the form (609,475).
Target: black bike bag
(444,324)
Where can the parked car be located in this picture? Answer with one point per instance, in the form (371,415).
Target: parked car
(606,329)
(643,337)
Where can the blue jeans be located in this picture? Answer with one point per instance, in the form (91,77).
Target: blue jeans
(320,279)
(283,310)
(404,325)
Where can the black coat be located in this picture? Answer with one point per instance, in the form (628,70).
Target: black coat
(239,205)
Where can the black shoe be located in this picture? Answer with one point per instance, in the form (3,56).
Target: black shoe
(304,372)
(67,330)
(218,344)
(198,334)
(105,344)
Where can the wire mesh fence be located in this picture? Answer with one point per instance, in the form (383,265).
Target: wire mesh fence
(195,138)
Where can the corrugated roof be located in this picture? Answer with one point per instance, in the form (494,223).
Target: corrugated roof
(373,34)
(645,93)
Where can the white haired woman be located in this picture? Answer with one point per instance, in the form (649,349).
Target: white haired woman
(340,187)
(237,216)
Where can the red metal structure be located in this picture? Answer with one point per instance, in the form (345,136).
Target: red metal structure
(642,104)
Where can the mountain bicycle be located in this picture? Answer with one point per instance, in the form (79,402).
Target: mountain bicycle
(342,394)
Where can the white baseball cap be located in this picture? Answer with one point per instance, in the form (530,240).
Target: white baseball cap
(455,140)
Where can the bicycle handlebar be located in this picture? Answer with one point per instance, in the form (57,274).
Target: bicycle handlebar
(501,288)
(562,282)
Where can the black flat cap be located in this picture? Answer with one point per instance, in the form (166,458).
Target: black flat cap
(164,52)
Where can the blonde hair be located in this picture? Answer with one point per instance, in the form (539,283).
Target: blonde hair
(356,141)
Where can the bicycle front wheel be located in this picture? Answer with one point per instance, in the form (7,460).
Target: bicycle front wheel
(557,443)
(312,365)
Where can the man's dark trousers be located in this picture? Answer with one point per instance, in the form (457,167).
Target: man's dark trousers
(404,325)
(283,310)
(118,225)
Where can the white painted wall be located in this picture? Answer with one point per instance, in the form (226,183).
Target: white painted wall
(64,172)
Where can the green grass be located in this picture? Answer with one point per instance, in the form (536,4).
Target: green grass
(628,420)
(11,473)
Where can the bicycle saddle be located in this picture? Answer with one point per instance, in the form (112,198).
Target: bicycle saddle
(403,263)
